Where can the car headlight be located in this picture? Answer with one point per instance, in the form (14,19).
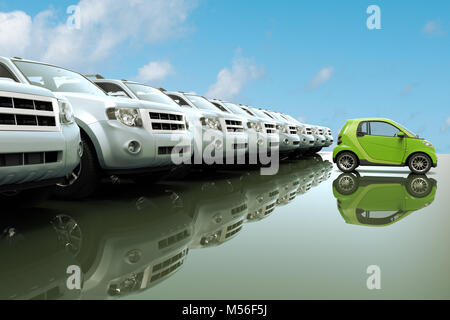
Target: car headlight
(301,130)
(427,144)
(212,123)
(66,115)
(255,126)
(284,129)
(128,116)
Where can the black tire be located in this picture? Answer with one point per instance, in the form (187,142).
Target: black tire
(347,183)
(89,176)
(347,161)
(419,163)
(419,185)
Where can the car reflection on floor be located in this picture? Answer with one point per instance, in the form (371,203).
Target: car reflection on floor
(130,237)
(381,201)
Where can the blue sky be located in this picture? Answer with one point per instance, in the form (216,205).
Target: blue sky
(315,60)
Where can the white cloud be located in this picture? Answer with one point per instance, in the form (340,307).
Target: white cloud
(155,71)
(322,77)
(105,25)
(433,28)
(446,125)
(15,30)
(230,82)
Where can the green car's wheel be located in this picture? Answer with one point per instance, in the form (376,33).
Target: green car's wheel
(419,163)
(347,183)
(419,186)
(347,161)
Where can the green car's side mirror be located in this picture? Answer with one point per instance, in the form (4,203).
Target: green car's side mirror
(401,134)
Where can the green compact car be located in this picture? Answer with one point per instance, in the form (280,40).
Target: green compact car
(382,142)
(381,201)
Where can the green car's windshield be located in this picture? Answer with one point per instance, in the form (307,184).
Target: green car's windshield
(201,102)
(148,93)
(408,132)
(235,109)
(57,79)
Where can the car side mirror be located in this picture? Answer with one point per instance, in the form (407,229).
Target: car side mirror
(401,134)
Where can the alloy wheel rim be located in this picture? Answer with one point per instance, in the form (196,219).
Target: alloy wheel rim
(346,183)
(347,162)
(420,163)
(68,232)
(419,185)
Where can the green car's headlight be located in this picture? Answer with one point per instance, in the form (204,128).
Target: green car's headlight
(66,115)
(427,144)
(128,116)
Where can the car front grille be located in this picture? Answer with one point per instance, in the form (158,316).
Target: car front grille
(27,114)
(30,158)
(269,209)
(309,130)
(270,128)
(168,266)
(293,130)
(234,126)
(169,241)
(234,229)
(172,149)
(167,122)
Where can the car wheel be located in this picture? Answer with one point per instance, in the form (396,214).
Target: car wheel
(85,179)
(419,163)
(419,186)
(346,184)
(347,161)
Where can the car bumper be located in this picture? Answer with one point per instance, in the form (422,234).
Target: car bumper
(24,153)
(307,141)
(289,142)
(155,149)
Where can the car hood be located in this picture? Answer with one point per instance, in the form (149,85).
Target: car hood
(25,89)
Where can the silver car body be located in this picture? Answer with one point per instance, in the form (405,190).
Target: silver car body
(34,145)
(110,137)
(232,130)
(305,132)
(289,142)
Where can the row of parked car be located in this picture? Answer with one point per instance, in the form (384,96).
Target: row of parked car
(58,127)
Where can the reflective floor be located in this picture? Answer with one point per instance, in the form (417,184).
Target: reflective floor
(309,232)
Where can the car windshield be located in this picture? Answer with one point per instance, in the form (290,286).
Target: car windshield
(57,79)
(277,116)
(261,114)
(201,102)
(408,132)
(147,93)
(235,109)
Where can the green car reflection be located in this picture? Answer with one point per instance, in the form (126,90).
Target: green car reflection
(381,201)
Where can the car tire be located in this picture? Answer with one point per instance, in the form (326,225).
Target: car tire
(88,178)
(347,183)
(347,161)
(419,163)
(419,185)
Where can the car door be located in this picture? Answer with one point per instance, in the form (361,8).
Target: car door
(380,141)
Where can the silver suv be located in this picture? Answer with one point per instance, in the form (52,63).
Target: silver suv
(288,139)
(229,135)
(304,132)
(39,141)
(255,126)
(120,136)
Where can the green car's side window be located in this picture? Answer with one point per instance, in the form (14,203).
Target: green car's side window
(363,129)
(383,129)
